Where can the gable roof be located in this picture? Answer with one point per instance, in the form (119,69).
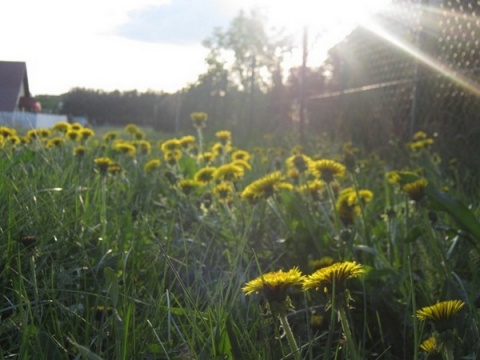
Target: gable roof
(13,74)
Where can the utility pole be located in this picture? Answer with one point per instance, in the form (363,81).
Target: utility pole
(303,78)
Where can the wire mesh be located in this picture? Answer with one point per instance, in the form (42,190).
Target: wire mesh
(415,66)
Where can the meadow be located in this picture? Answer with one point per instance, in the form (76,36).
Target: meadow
(134,245)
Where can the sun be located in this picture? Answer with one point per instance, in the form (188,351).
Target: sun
(327,21)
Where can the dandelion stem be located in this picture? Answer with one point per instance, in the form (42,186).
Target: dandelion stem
(290,338)
(335,212)
(351,346)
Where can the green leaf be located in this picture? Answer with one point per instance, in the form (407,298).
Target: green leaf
(111,285)
(414,234)
(465,218)
(85,352)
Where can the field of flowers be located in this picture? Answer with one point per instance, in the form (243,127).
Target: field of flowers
(135,245)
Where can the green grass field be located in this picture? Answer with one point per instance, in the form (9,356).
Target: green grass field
(133,246)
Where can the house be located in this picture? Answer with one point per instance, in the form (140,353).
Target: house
(14,90)
(18,108)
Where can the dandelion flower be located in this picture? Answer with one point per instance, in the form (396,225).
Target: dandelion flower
(187,141)
(348,203)
(55,142)
(337,274)
(416,189)
(103,163)
(266,186)
(223,190)
(299,162)
(143,146)
(61,126)
(73,134)
(125,148)
(241,155)
(442,314)
(242,163)
(131,129)
(224,136)
(274,285)
(151,165)
(228,172)
(187,185)
(172,157)
(430,346)
(86,133)
(207,157)
(205,175)
(199,119)
(110,136)
(79,151)
(327,169)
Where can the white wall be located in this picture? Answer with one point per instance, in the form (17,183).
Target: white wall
(29,120)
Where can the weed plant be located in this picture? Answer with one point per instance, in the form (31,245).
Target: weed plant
(126,246)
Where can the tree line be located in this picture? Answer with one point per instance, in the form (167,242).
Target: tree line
(245,85)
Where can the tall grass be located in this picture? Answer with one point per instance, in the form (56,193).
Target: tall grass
(131,263)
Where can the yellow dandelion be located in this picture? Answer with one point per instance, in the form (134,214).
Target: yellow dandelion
(143,146)
(131,129)
(420,135)
(114,169)
(151,165)
(110,136)
(199,119)
(187,185)
(275,285)
(55,142)
(228,172)
(76,126)
(205,175)
(73,134)
(327,169)
(442,314)
(314,188)
(207,157)
(241,155)
(172,157)
(7,132)
(348,203)
(61,126)
(103,163)
(266,186)
(218,149)
(334,275)
(170,145)
(242,163)
(299,162)
(224,136)
(416,189)
(86,133)
(430,346)
(187,141)
(125,148)
(223,190)
(79,151)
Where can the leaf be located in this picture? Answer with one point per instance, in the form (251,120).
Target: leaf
(414,234)
(85,352)
(465,218)
(111,285)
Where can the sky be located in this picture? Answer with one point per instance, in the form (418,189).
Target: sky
(145,45)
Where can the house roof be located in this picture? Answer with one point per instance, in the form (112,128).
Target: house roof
(12,75)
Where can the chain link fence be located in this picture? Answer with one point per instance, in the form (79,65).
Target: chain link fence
(415,66)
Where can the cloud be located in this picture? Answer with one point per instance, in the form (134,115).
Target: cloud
(179,22)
